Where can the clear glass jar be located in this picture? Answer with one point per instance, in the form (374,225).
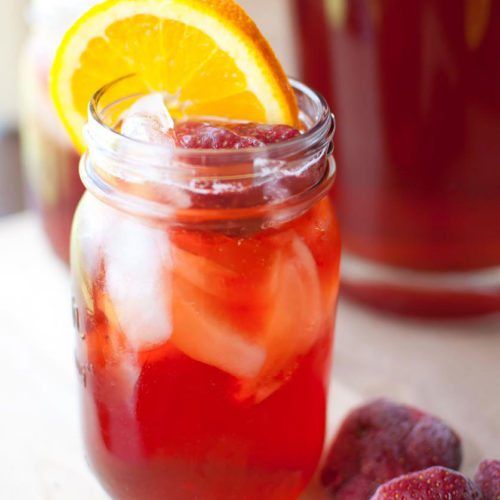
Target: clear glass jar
(50,162)
(417,90)
(204,286)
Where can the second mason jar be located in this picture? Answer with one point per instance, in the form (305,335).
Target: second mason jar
(49,159)
(205,284)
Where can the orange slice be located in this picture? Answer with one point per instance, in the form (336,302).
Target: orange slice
(207,56)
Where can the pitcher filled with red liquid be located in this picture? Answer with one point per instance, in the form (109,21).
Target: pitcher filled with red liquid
(416,87)
(205,284)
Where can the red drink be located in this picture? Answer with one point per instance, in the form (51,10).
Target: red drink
(416,88)
(205,311)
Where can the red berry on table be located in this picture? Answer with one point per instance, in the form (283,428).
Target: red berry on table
(382,440)
(488,479)
(434,483)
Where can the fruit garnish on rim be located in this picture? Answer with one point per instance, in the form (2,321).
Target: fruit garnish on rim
(207,57)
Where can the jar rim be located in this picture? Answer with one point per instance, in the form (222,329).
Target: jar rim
(97,129)
(160,181)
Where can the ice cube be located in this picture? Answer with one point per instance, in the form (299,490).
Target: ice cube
(202,336)
(149,172)
(204,333)
(138,262)
(295,322)
(148,120)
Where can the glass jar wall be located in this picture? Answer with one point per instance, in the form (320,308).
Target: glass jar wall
(416,89)
(205,285)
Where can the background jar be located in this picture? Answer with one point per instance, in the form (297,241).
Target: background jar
(50,162)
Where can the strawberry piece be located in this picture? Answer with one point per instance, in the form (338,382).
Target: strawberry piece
(382,440)
(434,482)
(488,478)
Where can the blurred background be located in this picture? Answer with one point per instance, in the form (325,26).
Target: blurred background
(12,33)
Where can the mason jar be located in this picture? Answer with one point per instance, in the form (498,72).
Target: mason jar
(204,287)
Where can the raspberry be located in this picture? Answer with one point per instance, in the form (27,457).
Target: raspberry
(267,134)
(214,135)
(488,478)
(434,482)
(245,192)
(383,440)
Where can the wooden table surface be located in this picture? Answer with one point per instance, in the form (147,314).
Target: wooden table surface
(449,368)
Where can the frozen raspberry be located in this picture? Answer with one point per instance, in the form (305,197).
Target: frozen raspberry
(268,134)
(382,440)
(488,478)
(213,135)
(434,482)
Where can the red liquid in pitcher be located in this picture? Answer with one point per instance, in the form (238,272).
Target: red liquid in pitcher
(416,89)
